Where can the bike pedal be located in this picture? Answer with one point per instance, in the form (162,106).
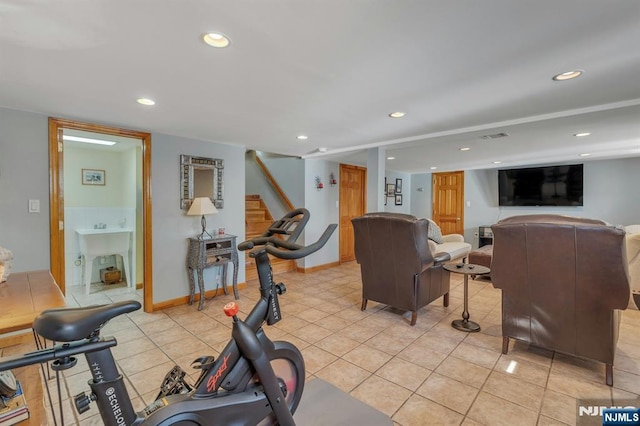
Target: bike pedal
(174,383)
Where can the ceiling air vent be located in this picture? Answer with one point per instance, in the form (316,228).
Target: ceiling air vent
(495,136)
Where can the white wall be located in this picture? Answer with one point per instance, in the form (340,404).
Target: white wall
(323,206)
(420,195)
(171,226)
(287,172)
(406,193)
(108,195)
(611,193)
(24,175)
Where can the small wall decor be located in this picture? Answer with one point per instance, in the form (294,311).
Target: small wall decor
(319,184)
(398,199)
(399,187)
(332,180)
(93,177)
(391,188)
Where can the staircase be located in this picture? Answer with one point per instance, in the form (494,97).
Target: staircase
(257,219)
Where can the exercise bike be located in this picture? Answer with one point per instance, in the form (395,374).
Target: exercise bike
(254,381)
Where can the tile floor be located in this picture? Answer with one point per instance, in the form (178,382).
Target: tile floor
(424,375)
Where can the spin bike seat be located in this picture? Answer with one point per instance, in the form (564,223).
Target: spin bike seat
(71,324)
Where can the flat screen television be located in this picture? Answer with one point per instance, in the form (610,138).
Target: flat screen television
(541,186)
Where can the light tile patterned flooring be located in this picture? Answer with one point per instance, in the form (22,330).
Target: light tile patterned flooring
(424,375)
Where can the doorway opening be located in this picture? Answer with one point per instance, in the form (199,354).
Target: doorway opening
(88,192)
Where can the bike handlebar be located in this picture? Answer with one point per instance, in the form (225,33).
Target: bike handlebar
(274,245)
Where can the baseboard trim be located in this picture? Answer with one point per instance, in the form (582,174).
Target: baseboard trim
(317,268)
(185,299)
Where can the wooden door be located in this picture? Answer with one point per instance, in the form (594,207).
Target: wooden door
(448,202)
(353,202)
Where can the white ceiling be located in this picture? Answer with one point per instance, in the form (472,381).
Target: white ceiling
(334,69)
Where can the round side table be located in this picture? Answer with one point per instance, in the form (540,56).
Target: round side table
(466,269)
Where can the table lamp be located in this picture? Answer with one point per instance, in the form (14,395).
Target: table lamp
(202,206)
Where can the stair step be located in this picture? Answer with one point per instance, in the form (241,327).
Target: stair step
(253,215)
(277,266)
(257,221)
(257,227)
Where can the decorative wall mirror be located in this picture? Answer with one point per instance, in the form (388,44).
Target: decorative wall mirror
(201,177)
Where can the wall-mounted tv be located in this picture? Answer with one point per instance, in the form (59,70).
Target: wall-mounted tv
(541,186)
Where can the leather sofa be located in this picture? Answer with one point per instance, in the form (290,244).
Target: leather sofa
(452,244)
(396,264)
(633,257)
(564,281)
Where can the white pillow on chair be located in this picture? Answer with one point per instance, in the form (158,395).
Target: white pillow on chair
(434,233)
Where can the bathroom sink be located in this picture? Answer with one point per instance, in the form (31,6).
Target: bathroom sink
(105,242)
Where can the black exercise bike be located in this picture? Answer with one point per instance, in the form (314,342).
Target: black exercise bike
(254,381)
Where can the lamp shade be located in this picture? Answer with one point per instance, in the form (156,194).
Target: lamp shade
(202,206)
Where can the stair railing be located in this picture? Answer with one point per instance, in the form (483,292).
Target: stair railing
(273,183)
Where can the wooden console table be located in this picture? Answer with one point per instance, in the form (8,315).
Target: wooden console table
(208,252)
(24,296)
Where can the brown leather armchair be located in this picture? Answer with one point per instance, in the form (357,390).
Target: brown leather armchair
(563,281)
(396,264)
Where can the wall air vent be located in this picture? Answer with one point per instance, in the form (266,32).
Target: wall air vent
(495,136)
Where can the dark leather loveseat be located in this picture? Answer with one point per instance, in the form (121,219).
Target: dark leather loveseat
(564,281)
(396,264)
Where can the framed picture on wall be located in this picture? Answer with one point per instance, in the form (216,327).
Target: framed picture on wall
(398,199)
(398,186)
(390,189)
(93,177)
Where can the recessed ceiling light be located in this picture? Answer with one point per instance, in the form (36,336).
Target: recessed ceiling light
(322,149)
(145,101)
(579,135)
(397,114)
(302,137)
(586,154)
(466,148)
(87,140)
(497,162)
(391,158)
(567,75)
(216,40)
(432,168)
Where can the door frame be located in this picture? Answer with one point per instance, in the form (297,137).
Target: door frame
(56,199)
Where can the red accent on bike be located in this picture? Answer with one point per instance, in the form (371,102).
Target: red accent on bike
(231,309)
(213,380)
